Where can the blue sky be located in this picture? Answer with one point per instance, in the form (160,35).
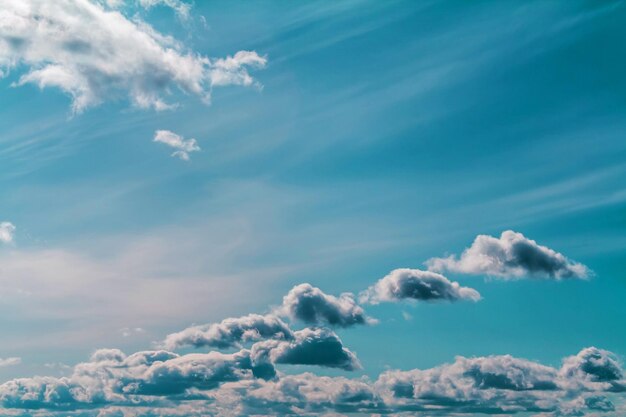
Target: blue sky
(372,136)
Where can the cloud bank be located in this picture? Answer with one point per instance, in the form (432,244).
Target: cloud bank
(510,256)
(415,284)
(161,383)
(183,146)
(94,54)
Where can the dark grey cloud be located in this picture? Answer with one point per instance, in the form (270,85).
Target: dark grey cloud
(318,346)
(510,256)
(230,332)
(312,306)
(415,284)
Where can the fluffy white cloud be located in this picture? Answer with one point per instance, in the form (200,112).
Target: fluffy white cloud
(511,255)
(230,332)
(7,230)
(415,284)
(161,383)
(311,305)
(94,53)
(183,146)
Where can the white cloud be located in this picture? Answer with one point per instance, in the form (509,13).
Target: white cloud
(7,230)
(10,361)
(510,256)
(414,284)
(183,146)
(95,54)
(181,8)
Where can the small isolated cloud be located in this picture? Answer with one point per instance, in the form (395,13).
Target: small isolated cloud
(230,332)
(510,256)
(183,146)
(320,347)
(7,230)
(181,8)
(10,361)
(415,284)
(312,306)
(130,331)
(94,53)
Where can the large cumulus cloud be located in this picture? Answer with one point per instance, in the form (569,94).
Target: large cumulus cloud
(230,332)
(94,53)
(415,284)
(312,306)
(511,255)
(161,383)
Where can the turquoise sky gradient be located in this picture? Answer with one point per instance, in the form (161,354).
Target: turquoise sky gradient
(384,134)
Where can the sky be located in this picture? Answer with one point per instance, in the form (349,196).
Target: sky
(275,208)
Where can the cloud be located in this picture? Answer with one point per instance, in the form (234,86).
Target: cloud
(7,230)
(10,361)
(182,9)
(317,346)
(312,306)
(230,332)
(511,255)
(111,377)
(95,54)
(161,383)
(414,284)
(183,146)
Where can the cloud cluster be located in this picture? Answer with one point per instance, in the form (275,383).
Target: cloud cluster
(161,383)
(312,306)
(183,146)
(94,54)
(231,332)
(511,255)
(415,284)
(7,230)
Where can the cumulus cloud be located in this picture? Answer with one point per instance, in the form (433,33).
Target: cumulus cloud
(111,377)
(94,54)
(231,332)
(7,230)
(312,306)
(511,255)
(183,146)
(318,346)
(161,383)
(415,284)
(181,8)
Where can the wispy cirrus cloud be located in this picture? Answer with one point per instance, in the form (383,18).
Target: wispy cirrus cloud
(95,54)
(512,255)
(183,146)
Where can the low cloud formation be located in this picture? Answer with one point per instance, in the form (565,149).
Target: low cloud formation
(94,53)
(510,256)
(231,332)
(319,347)
(415,284)
(183,146)
(7,230)
(161,383)
(312,306)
